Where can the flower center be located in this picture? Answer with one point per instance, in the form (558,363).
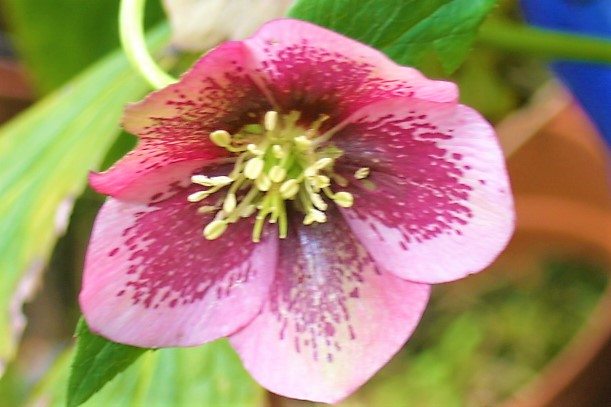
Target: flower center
(276,162)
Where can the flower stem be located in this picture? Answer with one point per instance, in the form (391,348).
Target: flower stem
(544,43)
(131,28)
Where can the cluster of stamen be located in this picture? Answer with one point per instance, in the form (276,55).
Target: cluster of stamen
(276,162)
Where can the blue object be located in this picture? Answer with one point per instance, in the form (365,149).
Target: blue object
(590,83)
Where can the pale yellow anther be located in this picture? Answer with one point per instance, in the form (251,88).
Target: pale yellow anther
(221,180)
(253,168)
(206,209)
(278,151)
(197,196)
(221,138)
(247,211)
(308,219)
(318,202)
(263,183)
(310,172)
(289,189)
(271,120)
(277,173)
(255,150)
(344,199)
(215,229)
(314,216)
(361,173)
(322,163)
(321,181)
(230,203)
(320,217)
(199,179)
(302,142)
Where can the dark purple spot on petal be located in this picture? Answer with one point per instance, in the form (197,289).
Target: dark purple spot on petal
(420,191)
(172,264)
(321,270)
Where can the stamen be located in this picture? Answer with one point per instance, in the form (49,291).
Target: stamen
(215,229)
(314,216)
(197,196)
(221,138)
(341,181)
(275,161)
(211,181)
(199,179)
(253,148)
(283,224)
(277,174)
(321,181)
(310,172)
(278,152)
(302,143)
(265,209)
(322,163)
(344,199)
(247,211)
(253,168)
(318,201)
(289,189)
(230,203)
(361,173)
(263,183)
(271,120)
(206,209)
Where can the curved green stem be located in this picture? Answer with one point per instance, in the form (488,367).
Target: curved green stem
(131,29)
(544,43)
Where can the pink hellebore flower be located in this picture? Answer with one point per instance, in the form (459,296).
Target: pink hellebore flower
(297,192)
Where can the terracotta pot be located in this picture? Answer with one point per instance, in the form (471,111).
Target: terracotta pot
(560,174)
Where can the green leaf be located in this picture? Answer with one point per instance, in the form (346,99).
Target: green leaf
(406,30)
(96,362)
(88,32)
(46,154)
(208,375)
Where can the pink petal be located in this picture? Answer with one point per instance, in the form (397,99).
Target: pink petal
(438,203)
(217,93)
(174,123)
(333,318)
(152,280)
(131,180)
(311,68)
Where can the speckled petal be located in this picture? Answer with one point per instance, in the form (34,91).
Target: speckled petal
(437,205)
(333,318)
(174,123)
(152,280)
(311,69)
(130,180)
